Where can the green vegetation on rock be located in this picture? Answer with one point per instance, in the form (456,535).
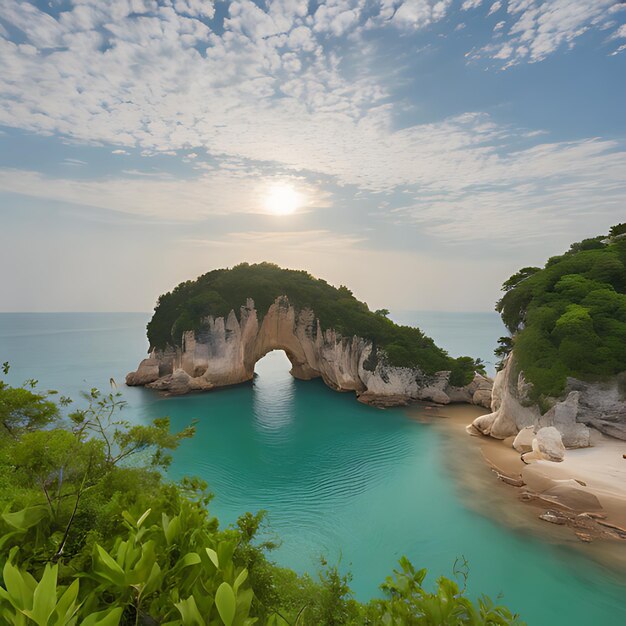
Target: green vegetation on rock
(91,534)
(569,318)
(223,290)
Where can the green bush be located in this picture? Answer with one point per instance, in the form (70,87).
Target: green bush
(569,318)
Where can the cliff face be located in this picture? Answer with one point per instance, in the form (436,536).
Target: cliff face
(226,350)
(601,405)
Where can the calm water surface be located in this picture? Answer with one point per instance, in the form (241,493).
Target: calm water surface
(356,484)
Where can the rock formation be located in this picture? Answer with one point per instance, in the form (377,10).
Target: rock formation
(601,405)
(225,350)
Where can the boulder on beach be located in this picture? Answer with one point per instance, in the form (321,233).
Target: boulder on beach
(548,444)
(523,442)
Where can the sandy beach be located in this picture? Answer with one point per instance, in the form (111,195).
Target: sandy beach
(579,502)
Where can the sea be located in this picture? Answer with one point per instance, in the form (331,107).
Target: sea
(355,485)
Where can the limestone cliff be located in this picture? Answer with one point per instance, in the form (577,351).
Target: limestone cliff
(601,405)
(225,351)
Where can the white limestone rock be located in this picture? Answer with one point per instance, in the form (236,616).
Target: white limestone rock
(548,444)
(523,442)
(508,416)
(563,417)
(601,405)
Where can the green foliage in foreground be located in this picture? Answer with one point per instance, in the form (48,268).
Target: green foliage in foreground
(569,318)
(224,290)
(91,534)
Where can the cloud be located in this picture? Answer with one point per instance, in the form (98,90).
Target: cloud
(471,4)
(620,33)
(540,28)
(141,75)
(560,186)
(465,191)
(336,17)
(618,50)
(416,14)
(496,6)
(267,89)
(195,8)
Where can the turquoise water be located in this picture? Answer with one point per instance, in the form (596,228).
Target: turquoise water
(359,485)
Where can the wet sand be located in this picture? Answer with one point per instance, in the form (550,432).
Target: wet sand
(584,496)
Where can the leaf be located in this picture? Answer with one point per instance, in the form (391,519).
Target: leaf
(110,617)
(213,556)
(18,586)
(45,596)
(188,610)
(143,518)
(226,603)
(244,602)
(191,558)
(240,579)
(66,606)
(141,569)
(172,530)
(106,567)
(153,581)
(225,551)
(26,518)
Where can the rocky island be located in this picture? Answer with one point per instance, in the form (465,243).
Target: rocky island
(210,332)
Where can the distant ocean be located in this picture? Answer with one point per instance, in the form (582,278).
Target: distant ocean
(461,334)
(357,484)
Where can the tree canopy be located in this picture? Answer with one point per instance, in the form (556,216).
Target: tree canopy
(221,291)
(569,318)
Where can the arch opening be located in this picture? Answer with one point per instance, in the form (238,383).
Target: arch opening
(273,366)
(274,388)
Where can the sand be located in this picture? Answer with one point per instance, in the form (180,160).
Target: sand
(584,496)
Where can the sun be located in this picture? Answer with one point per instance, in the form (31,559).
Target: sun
(282,199)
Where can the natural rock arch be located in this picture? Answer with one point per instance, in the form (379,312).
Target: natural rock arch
(226,349)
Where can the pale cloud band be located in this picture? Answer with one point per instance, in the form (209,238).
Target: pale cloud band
(454,185)
(167,199)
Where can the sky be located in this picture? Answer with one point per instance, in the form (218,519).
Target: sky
(417,151)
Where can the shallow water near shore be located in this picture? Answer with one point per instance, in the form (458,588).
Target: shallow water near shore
(353,483)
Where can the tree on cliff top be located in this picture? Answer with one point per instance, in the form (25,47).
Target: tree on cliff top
(569,318)
(221,291)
